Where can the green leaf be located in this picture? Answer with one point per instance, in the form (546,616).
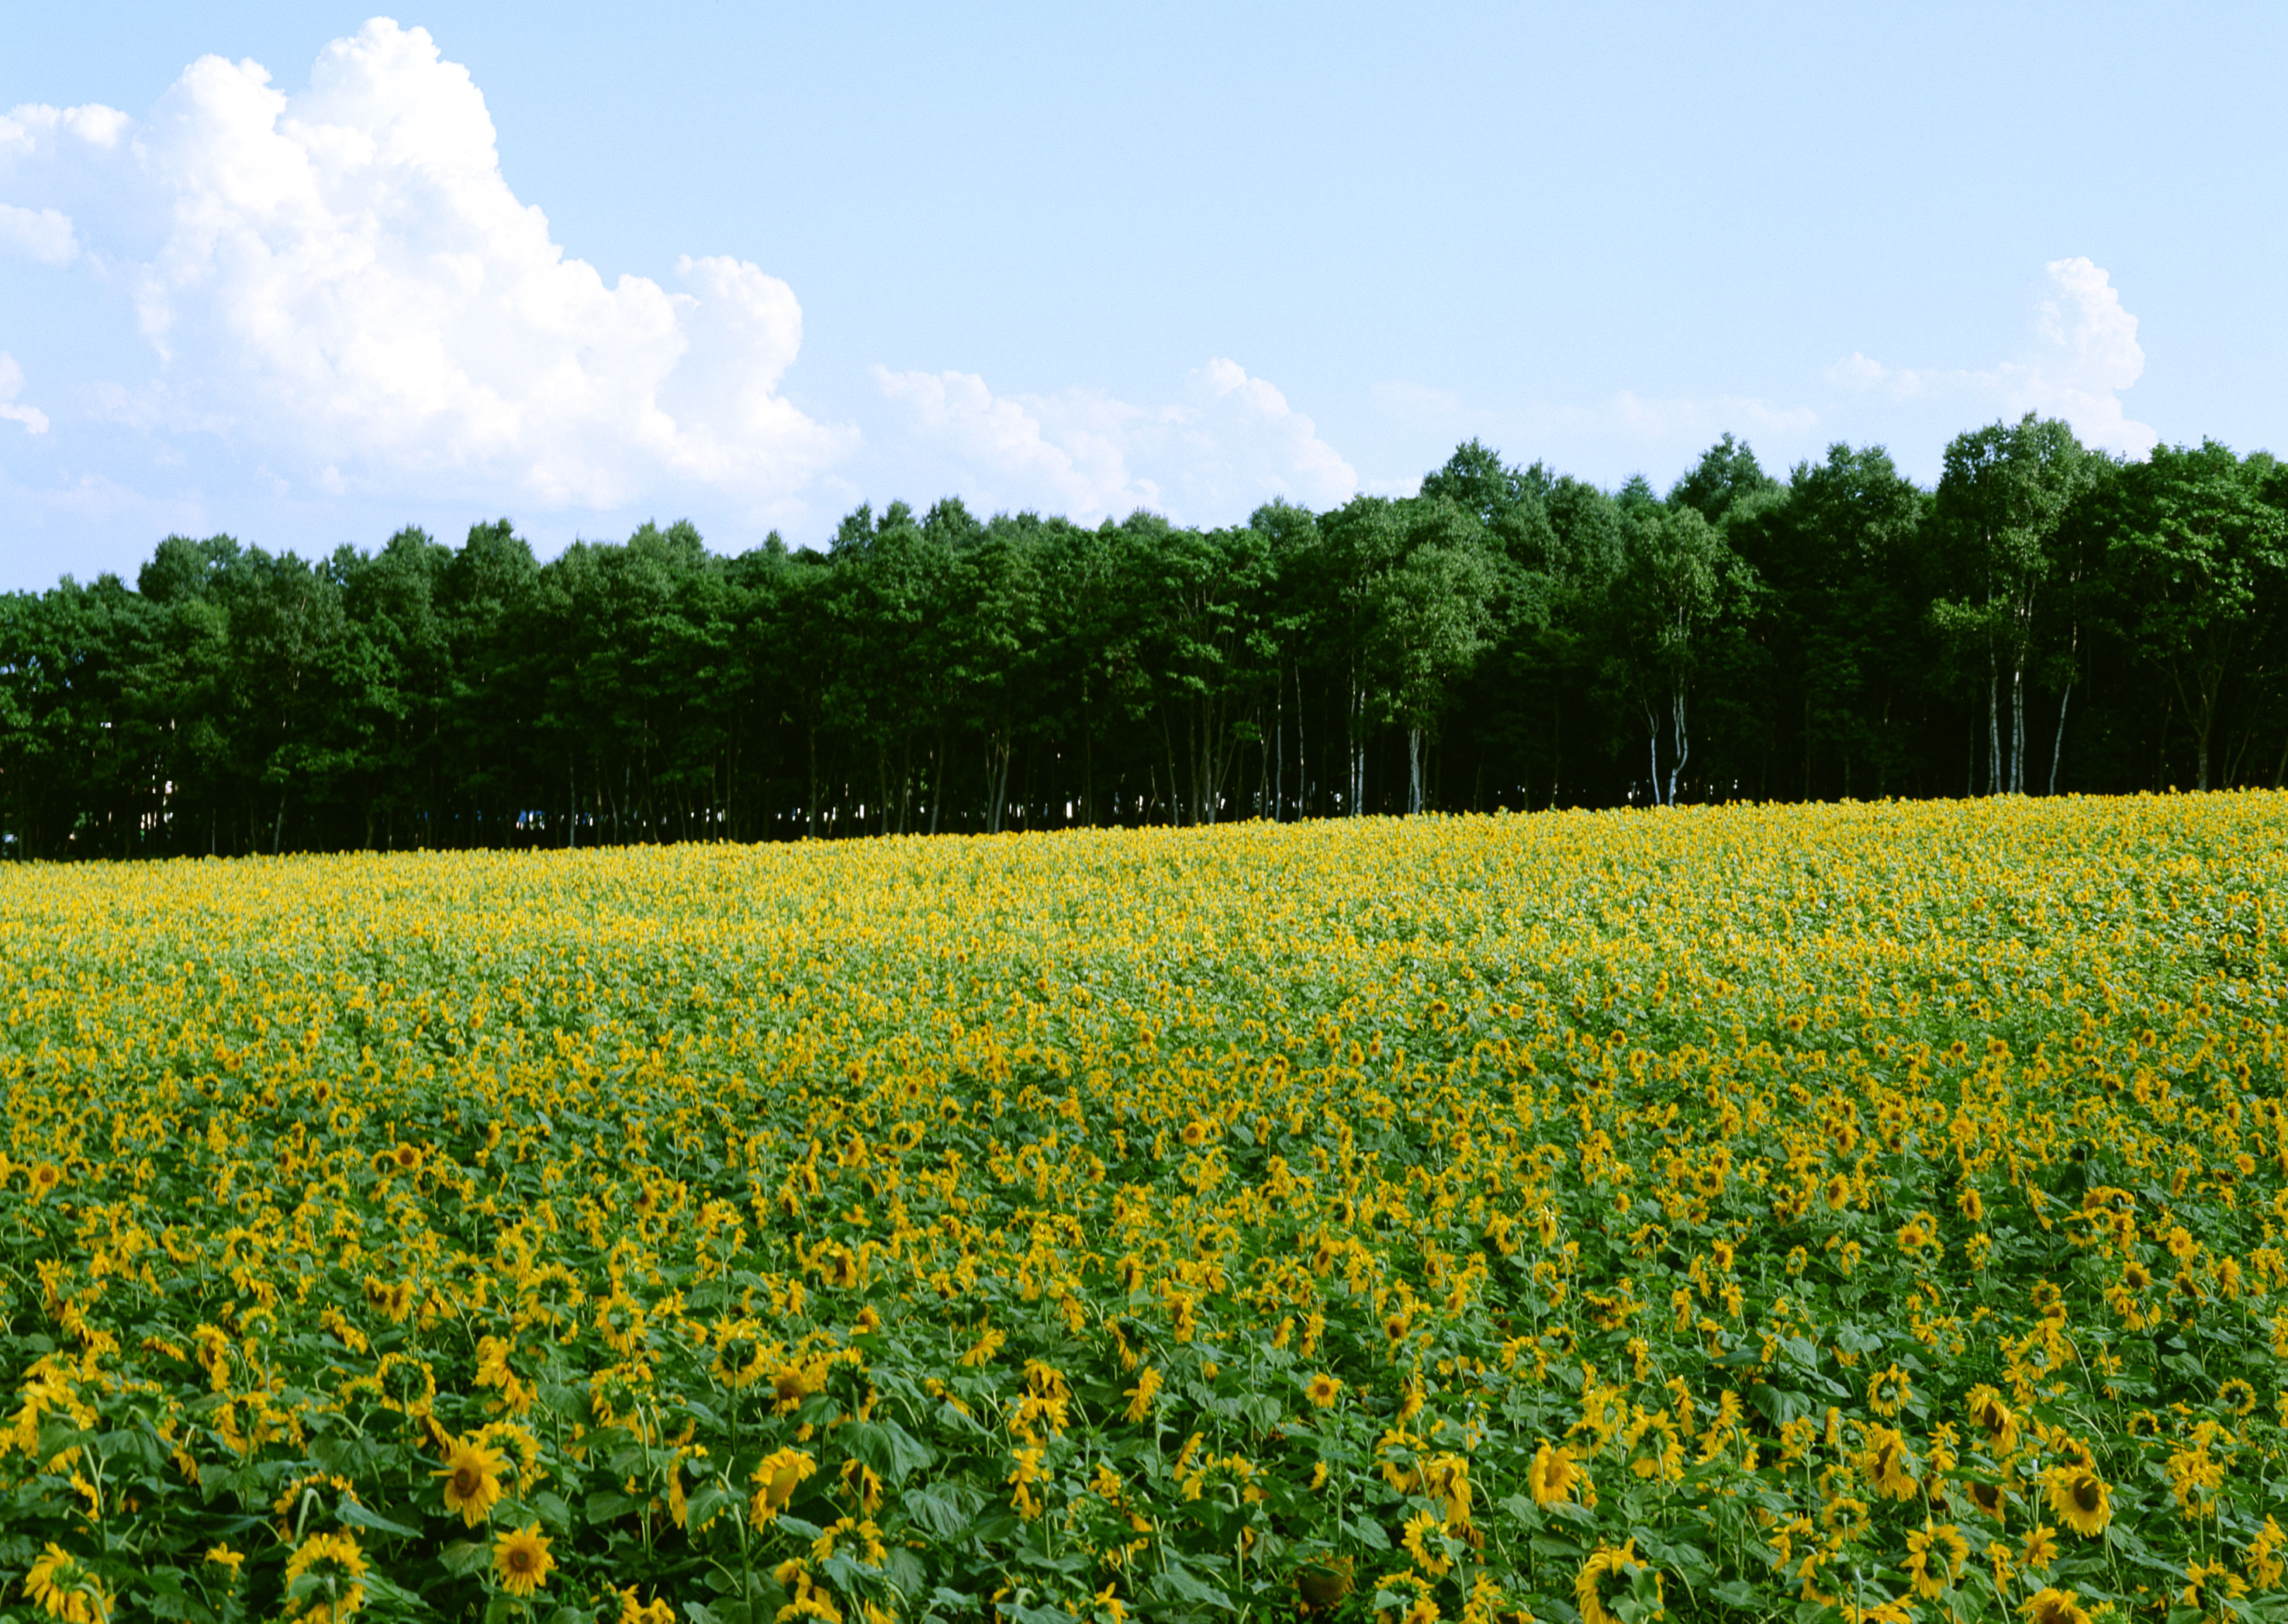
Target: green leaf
(553,1513)
(936,1513)
(887,1448)
(704,1507)
(464,1557)
(1173,1584)
(605,1504)
(357,1517)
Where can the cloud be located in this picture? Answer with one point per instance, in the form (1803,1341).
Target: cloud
(1230,444)
(11,383)
(1704,419)
(342,280)
(1616,435)
(2085,353)
(43,237)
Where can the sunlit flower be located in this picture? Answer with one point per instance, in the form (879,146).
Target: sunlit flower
(473,1484)
(521,1560)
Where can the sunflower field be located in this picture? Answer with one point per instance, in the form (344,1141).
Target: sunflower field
(1871,1212)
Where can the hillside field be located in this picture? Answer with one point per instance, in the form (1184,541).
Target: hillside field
(1870,1212)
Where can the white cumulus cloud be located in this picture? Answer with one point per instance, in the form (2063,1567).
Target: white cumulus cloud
(2084,354)
(343,280)
(45,236)
(12,384)
(1231,443)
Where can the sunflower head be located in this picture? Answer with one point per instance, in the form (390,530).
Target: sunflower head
(323,1576)
(1323,1584)
(1552,1475)
(778,1475)
(65,1589)
(521,1560)
(2050,1606)
(472,1475)
(1606,1575)
(2080,1499)
(1993,1417)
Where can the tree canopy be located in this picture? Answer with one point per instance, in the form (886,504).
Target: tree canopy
(2047,619)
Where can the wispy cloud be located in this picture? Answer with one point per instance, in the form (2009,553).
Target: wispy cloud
(1230,443)
(12,384)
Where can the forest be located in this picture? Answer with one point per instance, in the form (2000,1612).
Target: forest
(2047,619)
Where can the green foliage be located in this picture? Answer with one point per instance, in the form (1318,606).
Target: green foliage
(2046,620)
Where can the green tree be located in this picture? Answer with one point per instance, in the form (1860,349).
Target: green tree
(2204,556)
(2002,499)
(1433,609)
(1681,580)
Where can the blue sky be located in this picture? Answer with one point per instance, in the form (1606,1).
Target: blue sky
(754,264)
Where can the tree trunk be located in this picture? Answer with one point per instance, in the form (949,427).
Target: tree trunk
(1683,745)
(1652,749)
(2058,748)
(1993,725)
(2018,728)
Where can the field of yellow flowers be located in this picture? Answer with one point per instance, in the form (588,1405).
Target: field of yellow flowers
(1871,1212)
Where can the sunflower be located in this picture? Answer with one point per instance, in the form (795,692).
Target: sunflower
(1552,1475)
(2080,1497)
(1323,1390)
(1447,1479)
(1888,1390)
(740,1355)
(2237,1396)
(67,1591)
(1324,1584)
(1943,1546)
(1414,1541)
(2263,1559)
(1882,1610)
(472,1475)
(1843,1517)
(323,1573)
(2041,1546)
(1888,1465)
(2049,1605)
(2207,1577)
(1991,1498)
(45,1177)
(522,1561)
(1141,1396)
(778,1475)
(1589,1591)
(1994,1419)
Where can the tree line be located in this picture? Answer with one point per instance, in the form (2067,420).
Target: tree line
(2047,619)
